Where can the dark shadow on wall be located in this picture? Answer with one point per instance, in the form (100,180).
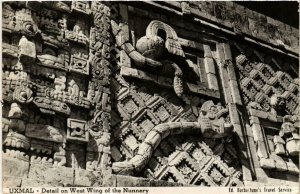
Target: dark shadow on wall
(284,11)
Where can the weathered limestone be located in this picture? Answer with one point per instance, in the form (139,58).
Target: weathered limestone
(93,91)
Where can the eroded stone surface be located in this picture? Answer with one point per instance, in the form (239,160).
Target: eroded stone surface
(94,90)
(14,167)
(50,176)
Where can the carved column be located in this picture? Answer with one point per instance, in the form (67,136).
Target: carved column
(98,148)
(232,99)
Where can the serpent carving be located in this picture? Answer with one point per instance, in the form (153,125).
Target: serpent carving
(212,123)
(150,48)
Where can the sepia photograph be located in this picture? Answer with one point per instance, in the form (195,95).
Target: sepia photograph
(145,97)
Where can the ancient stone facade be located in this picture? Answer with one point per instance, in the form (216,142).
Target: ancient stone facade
(148,94)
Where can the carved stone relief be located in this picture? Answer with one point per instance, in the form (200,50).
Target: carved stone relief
(88,91)
(53,104)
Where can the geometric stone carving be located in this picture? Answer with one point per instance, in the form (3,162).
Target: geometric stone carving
(79,64)
(85,89)
(76,130)
(211,124)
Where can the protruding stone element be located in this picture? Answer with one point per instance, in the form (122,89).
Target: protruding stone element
(293,146)
(172,42)
(15,111)
(185,8)
(27,51)
(290,132)
(59,155)
(80,64)
(23,94)
(81,6)
(76,130)
(212,120)
(267,163)
(17,125)
(51,106)
(278,103)
(5,124)
(151,47)
(16,140)
(45,132)
(279,145)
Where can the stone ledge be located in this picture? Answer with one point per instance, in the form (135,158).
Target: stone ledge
(166,82)
(51,176)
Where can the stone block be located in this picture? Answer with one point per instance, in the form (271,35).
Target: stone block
(209,65)
(125,60)
(212,81)
(279,149)
(257,132)
(220,51)
(207,51)
(253,151)
(227,52)
(261,175)
(12,167)
(278,140)
(234,117)
(116,154)
(27,51)
(231,71)
(280,165)
(58,176)
(76,129)
(235,92)
(254,120)
(261,149)
(238,131)
(267,163)
(87,178)
(292,168)
(272,117)
(127,181)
